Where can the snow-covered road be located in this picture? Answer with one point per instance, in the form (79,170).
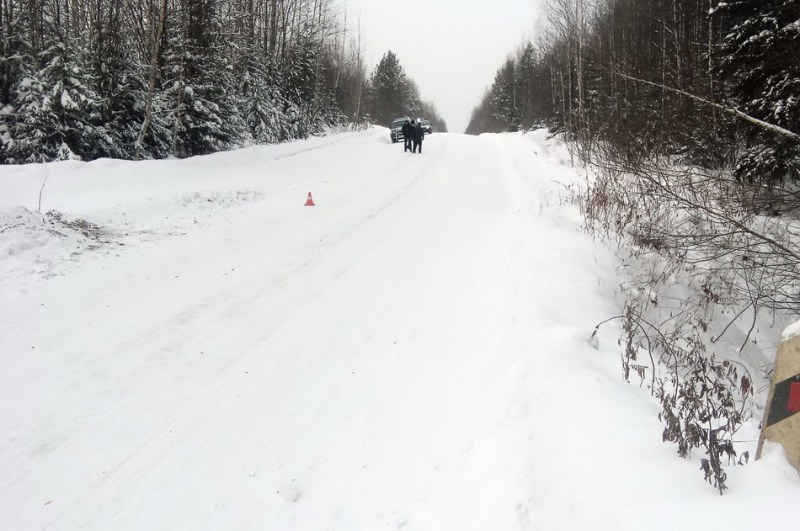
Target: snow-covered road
(411,353)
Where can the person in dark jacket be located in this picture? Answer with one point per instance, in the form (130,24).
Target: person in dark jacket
(417,135)
(408,131)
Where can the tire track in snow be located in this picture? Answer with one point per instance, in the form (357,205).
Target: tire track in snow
(117,482)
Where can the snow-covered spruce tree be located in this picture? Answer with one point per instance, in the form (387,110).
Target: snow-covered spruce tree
(392,94)
(300,82)
(205,119)
(119,78)
(55,107)
(388,90)
(73,90)
(527,72)
(16,56)
(261,100)
(503,97)
(761,72)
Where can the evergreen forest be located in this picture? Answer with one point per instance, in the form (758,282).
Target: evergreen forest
(132,79)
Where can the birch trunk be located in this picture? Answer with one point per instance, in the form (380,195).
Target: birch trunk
(151,86)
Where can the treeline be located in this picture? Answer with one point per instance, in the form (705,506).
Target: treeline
(132,79)
(158,78)
(394,95)
(686,114)
(586,76)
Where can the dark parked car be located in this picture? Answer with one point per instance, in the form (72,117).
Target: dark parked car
(426,126)
(396,132)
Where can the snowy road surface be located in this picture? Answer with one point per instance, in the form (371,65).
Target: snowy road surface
(411,353)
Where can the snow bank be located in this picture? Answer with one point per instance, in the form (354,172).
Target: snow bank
(42,245)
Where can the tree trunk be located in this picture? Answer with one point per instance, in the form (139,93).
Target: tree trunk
(151,86)
(273,28)
(728,110)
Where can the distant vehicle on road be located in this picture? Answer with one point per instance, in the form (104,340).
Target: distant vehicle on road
(426,126)
(396,132)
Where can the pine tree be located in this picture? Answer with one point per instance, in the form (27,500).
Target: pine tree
(503,98)
(389,90)
(119,80)
(300,89)
(261,100)
(55,106)
(526,84)
(206,120)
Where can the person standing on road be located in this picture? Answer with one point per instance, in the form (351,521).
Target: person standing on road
(407,130)
(418,135)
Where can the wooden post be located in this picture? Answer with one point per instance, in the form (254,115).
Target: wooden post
(782,415)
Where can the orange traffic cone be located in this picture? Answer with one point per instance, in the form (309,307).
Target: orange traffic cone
(310,200)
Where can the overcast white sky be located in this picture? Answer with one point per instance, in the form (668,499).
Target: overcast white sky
(451,48)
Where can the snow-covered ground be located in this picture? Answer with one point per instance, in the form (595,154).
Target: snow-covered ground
(185,345)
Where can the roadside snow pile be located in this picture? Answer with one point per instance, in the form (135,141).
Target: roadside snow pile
(32,242)
(45,244)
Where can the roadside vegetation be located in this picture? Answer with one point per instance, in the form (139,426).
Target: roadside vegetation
(685,115)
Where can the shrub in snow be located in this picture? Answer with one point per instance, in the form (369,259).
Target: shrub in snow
(706,269)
